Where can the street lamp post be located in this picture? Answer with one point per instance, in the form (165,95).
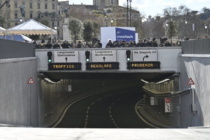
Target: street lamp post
(206,27)
(5,3)
(127,13)
(130,12)
(111,22)
(56,33)
(185,28)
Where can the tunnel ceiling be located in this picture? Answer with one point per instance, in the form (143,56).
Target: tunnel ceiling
(152,77)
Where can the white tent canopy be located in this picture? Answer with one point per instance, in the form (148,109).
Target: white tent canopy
(31,27)
(2,31)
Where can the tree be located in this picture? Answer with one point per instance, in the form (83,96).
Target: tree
(172,29)
(206,13)
(88,31)
(95,29)
(75,27)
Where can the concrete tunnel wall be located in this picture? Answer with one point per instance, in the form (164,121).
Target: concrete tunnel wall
(52,94)
(197,68)
(19,101)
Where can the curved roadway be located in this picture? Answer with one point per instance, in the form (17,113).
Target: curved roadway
(113,109)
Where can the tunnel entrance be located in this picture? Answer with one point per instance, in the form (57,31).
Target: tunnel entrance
(92,101)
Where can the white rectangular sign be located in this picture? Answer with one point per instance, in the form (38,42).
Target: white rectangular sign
(168,105)
(145,55)
(104,56)
(66,56)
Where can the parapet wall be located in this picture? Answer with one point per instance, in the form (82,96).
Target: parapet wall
(19,100)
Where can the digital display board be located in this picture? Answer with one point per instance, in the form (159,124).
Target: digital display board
(64,66)
(102,65)
(143,65)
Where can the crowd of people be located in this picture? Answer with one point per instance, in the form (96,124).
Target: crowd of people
(146,42)
(65,45)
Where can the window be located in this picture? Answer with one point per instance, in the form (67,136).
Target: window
(39,14)
(112,2)
(16,5)
(38,6)
(53,6)
(31,5)
(16,14)
(31,15)
(45,5)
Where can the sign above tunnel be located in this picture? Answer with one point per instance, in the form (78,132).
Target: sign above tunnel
(64,66)
(66,56)
(102,65)
(145,55)
(104,56)
(143,65)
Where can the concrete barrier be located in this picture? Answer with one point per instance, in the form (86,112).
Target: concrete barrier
(19,94)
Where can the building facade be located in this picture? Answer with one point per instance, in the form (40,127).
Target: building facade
(26,9)
(105,3)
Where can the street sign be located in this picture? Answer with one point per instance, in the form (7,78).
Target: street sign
(145,55)
(102,65)
(104,56)
(64,66)
(66,56)
(30,81)
(190,82)
(143,65)
(168,105)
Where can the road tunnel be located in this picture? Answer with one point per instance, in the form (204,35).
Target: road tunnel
(94,100)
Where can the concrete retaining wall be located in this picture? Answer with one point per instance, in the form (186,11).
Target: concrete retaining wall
(18,99)
(197,68)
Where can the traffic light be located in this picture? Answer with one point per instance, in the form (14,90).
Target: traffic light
(87,54)
(128,54)
(49,54)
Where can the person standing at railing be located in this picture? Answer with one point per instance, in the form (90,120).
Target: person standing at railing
(109,44)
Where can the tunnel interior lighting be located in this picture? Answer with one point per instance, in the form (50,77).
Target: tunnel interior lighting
(144,81)
(51,81)
(165,80)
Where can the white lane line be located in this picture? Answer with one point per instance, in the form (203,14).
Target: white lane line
(86,117)
(110,115)
(140,116)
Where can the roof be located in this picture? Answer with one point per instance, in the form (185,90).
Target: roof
(31,27)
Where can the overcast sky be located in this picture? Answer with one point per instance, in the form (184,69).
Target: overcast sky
(154,7)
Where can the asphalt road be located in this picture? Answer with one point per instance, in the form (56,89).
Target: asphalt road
(113,109)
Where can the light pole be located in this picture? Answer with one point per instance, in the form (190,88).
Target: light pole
(130,12)
(56,33)
(5,3)
(185,28)
(206,27)
(21,20)
(127,13)
(111,22)
(166,29)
